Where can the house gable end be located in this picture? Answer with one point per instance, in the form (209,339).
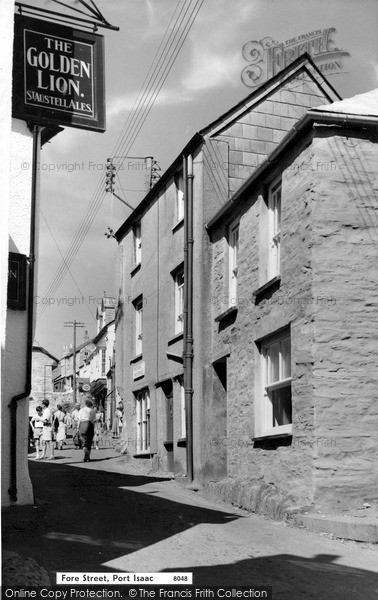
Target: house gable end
(256,127)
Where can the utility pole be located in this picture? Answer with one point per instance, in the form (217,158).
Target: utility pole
(74,324)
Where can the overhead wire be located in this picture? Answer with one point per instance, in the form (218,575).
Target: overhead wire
(68,268)
(86,221)
(144,112)
(140,99)
(98,197)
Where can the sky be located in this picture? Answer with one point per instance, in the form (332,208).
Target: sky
(204,82)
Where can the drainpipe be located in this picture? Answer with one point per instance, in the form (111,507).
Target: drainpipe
(188,311)
(29,344)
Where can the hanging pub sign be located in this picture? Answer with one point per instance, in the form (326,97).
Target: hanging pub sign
(16,299)
(58,75)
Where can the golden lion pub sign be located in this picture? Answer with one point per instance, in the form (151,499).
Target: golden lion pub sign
(58,75)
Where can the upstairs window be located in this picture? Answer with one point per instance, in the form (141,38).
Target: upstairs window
(274,213)
(179,300)
(179,187)
(233,241)
(276,414)
(138,305)
(137,243)
(103,361)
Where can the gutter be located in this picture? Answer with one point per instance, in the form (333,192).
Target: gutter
(188,311)
(12,491)
(304,124)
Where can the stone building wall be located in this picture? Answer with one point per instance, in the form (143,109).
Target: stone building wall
(42,383)
(345,267)
(257,133)
(289,467)
(328,296)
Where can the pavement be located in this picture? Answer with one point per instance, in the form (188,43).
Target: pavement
(95,517)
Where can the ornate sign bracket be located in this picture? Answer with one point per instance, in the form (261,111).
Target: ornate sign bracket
(95,18)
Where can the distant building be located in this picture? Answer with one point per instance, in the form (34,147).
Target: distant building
(43,364)
(94,365)
(98,364)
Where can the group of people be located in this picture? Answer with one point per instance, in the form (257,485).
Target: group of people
(51,428)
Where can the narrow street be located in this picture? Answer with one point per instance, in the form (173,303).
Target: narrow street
(94,517)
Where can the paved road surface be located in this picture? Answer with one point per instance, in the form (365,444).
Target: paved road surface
(94,517)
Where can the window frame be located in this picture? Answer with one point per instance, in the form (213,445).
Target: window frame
(274,227)
(138,338)
(179,299)
(103,361)
(143,421)
(182,409)
(266,426)
(233,262)
(137,244)
(179,197)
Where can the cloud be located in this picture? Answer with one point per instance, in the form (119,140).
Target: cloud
(212,70)
(216,47)
(126,103)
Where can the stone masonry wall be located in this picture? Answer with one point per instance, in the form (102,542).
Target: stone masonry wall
(257,133)
(328,294)
(287,467)
(345,267)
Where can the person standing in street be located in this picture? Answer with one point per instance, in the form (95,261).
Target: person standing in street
(60,432)
(87,418)
(75,415)
(36,424)
(98,427)
(120,418)
(47,431)
(75,425)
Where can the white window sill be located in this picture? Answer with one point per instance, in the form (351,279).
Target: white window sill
(144,454)
(176,338)
(136,358)
(231,310)
(268,286)
(178,225)
(135,268)
(279,384)
(275,432)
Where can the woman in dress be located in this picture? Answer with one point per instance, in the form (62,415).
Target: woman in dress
(47,436)
(60,430)
(87,418)
(36,424)
(97,427)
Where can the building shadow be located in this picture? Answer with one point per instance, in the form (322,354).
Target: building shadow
(291,577)
(92,521)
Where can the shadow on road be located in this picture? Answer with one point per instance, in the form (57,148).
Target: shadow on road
(85,518)
(292,577)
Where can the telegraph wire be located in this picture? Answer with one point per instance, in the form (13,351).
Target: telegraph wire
(75,245)
(97,196)
(83,229)
(166,72)
(158,58)
(68,268)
